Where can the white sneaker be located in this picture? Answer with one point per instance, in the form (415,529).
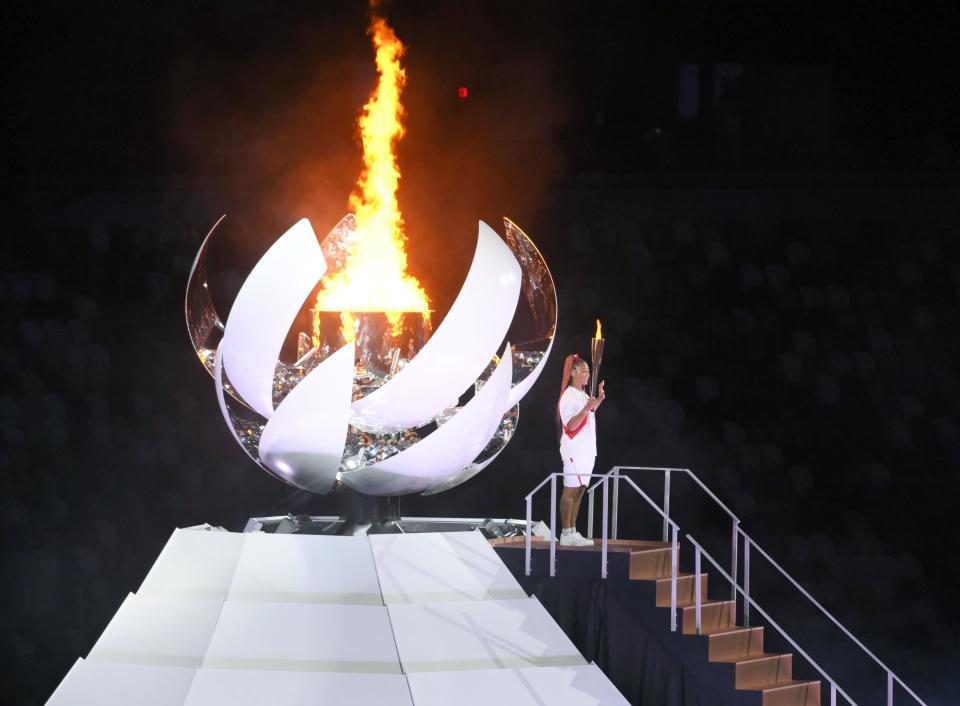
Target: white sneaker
(575,539)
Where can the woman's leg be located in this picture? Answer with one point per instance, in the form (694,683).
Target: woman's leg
(569,501)
(575,510)
(569,508)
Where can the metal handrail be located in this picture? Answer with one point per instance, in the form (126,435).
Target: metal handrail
(634,468)
(891,676)
(605,477)
(615,474)
(542,483)
(834,687)
(528,541)
(667,471)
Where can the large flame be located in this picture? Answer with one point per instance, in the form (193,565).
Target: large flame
(375,277)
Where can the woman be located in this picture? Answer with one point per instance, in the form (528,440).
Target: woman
(578,444)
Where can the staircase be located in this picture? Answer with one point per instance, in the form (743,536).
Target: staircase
(731,651)
(767,677)
(760,678)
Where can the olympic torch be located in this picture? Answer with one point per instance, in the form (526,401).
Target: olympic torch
(596,357)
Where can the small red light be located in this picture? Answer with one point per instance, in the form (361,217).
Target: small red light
(463,92)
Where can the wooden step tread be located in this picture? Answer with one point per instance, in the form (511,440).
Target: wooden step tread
(785,684)
(681,576)
(687,602)
(613,545)
(652,547)
(724,629)
(743,659)
(704,602)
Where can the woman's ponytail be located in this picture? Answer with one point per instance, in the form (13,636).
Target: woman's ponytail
(570,361)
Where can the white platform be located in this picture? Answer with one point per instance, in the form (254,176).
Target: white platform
(305,569)
(441,566)
(227,687)
(569,686)
(158,631)
(301,637)
(195,564)
(104,684)
(479,635)
(397,620)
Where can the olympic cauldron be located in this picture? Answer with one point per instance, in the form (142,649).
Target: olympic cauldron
(399,409)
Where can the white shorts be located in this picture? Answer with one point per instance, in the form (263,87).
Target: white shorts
(576,481)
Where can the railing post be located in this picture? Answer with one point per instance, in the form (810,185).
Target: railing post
(616,501)
(590,514)
(746,581)
(666,505)
(696,585)
(674,562)
(889,688)
(733,561)
(529,538)
(833,694)
(603,535)
(553,525)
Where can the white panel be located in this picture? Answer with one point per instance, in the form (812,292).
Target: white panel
(63,683)
(442,566)
(233,687)
(159,631)
(303,441)
(105,684)
(563,686)
(523,387)
(263,311)
(303,637)
(473,549)
(479,635)
(306,569)
(460,348)
(195,564)
(447,450)
(559,686)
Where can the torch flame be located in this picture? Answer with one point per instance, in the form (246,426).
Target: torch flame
(374,277)
(598,336)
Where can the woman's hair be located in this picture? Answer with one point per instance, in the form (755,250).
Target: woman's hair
(571,360)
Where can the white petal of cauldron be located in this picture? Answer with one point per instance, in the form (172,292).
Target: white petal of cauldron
(303,441)
(263,311)
(458,351)
(472,469)
(447,450)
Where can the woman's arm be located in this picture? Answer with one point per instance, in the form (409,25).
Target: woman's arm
(577,419)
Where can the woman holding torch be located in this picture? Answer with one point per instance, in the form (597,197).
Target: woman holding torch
(578,443)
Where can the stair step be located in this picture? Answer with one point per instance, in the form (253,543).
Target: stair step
(713,614)
(735,642)
(653,563)
(685,592)
(793,693)
(768,675)
(761,671)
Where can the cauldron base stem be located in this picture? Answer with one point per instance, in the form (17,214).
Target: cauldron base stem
(369,514)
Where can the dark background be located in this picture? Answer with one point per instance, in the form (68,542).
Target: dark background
(761,203)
